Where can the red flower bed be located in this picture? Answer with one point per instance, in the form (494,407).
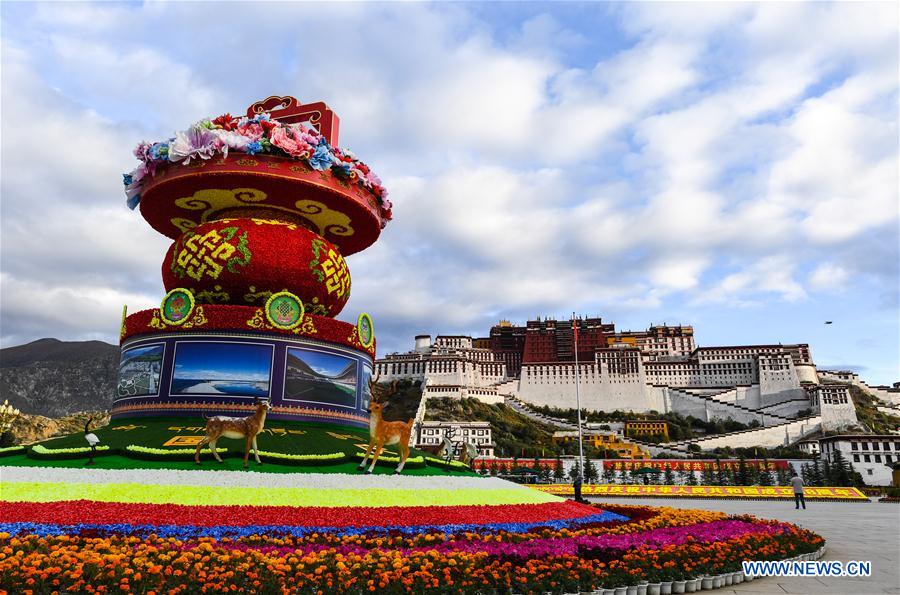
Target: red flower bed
(111,513)
(217,317)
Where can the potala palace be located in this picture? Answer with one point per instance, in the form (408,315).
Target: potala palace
(660,369)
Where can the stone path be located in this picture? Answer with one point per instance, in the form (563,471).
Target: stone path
(854,531)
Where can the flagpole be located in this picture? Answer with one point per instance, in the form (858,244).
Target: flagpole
(578,403)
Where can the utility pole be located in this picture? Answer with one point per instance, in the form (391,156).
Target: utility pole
(578,402)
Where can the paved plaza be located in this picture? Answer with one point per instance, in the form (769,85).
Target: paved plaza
(854,531)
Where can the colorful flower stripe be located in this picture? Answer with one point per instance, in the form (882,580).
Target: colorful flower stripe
(225,479)
(700,533)
(72,512)
(159,565)
(232,532)
(202,495)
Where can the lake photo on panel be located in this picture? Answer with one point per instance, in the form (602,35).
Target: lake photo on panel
(234,369)
(320,377)
(139,371)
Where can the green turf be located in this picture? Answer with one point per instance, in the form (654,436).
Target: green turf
(228,464)
(179,432)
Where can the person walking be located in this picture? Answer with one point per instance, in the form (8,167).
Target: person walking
(797,483)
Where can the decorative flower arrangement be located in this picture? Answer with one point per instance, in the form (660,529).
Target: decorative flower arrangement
(609,549)
(244,318)
(257,135)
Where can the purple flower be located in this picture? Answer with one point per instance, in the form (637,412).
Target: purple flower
(196,142)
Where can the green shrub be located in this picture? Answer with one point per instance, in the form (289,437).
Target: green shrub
(39,451)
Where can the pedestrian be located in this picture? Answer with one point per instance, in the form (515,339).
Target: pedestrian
(577,485)
(797,483)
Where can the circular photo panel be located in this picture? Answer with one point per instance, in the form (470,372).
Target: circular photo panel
(284,310)
(366,330)
(177,306)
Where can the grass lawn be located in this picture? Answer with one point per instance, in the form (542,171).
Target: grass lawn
(178,433)
(208,464)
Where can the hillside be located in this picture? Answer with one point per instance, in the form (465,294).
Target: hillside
(56,378)
(513,433)
(27,429)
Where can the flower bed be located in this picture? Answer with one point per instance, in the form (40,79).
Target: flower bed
(430,544)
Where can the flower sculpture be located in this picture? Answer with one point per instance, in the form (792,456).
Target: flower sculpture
(261,209)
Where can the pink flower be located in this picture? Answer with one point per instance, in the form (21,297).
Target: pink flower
(253,131)
(282,138)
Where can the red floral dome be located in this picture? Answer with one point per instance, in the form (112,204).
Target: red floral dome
(244,261)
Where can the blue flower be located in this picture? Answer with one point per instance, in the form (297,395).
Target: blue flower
(159,151)
(127,179)
(254,147)
(261,118)
(321,158)
(133,201)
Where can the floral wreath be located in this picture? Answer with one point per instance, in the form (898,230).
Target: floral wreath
(359,330)
(282,325)
(257,135)
(175,295)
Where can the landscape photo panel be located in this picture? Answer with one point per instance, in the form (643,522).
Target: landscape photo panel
(320,377)
(139,371)
(366,392)
(233,369)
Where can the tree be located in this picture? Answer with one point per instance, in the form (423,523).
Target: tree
(765,476)
(841,470)
(690,478)
(559,472)
(783,475)
(609,474)
(827,472)
(590,472)
(721,478)
(806,473)
(669,476)
(742,477)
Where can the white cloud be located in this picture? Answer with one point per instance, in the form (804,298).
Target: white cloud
(828,276)
(715,153)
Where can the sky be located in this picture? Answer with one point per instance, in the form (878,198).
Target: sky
(729,166)
(234,361)
(327,364)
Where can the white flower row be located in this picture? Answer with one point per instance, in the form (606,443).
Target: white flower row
(254,479)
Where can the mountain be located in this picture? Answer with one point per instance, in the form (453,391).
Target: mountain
(55,378)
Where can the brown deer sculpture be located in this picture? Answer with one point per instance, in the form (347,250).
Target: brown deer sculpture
(248,427)
(385,432)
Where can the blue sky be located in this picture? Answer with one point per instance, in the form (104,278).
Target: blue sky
(323,363)
(233,362)
(730,166)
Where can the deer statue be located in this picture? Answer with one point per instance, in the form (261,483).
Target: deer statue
(385,432)
(235,427)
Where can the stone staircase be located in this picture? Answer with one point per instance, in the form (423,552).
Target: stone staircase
(763,417)
(523,408)
(774,435)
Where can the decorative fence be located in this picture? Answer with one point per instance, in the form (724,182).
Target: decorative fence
(678,491)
